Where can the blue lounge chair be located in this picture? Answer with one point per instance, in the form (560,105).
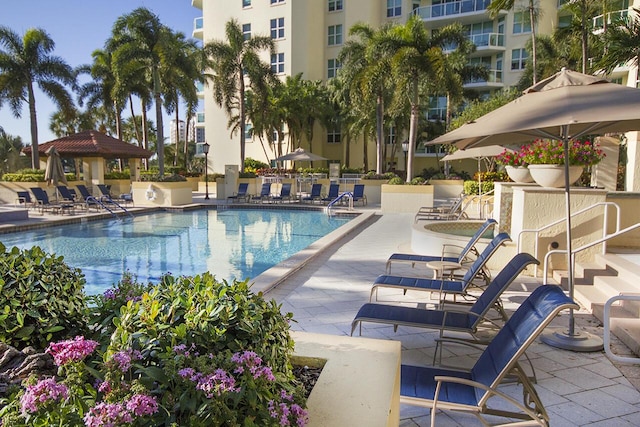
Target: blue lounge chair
(463,257)
(285,193)
(442,286)
(43,203)
(24,198)
(66,195)
(334,190)
(358,194)
(241,195)
(265,193)
(315,195)
(89,200)
(443,319)
(473,391)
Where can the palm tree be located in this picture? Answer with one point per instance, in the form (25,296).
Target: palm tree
(232,61)
(365,67)
(497,5)
(418,57)
(142,44)
(622,43)
(25,63)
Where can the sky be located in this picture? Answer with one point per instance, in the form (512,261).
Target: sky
(78,27)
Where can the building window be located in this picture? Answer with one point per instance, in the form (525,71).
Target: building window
(277,1)
(335,35)
(246,3)
(248,131)
(333,65)
(277,28)
(334,136)
(391,135)
(277,63)
(335,5)
(394,8)
(518,59)
(521,23)
(246,31)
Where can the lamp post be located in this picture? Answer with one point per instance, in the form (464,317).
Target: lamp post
(205,150)
(405,150)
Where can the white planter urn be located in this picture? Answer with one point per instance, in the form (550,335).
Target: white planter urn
(553,175)
(519,174)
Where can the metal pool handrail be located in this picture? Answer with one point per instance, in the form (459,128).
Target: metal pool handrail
(607,327)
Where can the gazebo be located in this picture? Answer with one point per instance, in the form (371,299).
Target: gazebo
(93,148)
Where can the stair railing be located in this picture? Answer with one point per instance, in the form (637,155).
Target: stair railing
(607,327)
(582,248)
(605,220)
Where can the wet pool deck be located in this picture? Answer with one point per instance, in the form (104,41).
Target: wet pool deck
(577,389)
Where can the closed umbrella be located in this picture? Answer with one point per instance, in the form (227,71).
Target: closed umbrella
(564,107)
(54,172)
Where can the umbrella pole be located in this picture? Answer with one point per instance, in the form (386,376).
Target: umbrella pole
(558,337)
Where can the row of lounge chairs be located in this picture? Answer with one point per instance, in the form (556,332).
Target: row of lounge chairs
(68,199)
(315,196)
(504,339)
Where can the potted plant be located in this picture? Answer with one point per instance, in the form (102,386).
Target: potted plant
(515,165)
(546,158)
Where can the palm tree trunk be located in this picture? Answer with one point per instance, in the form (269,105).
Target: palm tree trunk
(413,128)
(243,121)
(365,154)
(159,122)
(534,59)
(145,134)
(585,40)
(35,155)
(187,121)
(175,157)
(379,132)
(135,122)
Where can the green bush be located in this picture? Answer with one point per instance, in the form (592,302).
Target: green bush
(117,175)
(396,180)
(155,177)
(471,187)
(380,177)
(41,297)
(418,180)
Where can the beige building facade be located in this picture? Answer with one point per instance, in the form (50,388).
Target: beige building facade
(309,34)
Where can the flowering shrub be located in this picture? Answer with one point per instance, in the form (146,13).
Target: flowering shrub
(511,158)
(189,351)
(548,152)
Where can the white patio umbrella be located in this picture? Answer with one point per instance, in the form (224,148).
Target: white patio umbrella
(564,107)
(478,153)
(300,155)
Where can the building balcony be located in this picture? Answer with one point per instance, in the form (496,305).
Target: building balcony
(488,43)
(493,81)
(463,11)
(600,21)
(198,28)
(200,119)
(197,4)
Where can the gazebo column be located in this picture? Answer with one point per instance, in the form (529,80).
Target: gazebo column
(633,162)
(93,172)
(134,169)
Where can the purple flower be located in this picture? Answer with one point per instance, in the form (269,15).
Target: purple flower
(180,348)
(43,392)
(74,350)
(217,383)
(107,415)
(123,359)
(141,404)
(110,294)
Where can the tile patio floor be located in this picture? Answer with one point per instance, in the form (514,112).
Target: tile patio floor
(577,389)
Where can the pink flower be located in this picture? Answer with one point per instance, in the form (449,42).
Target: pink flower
(141,404)
(43,392)
(217,383)
(107,415)
(74,350)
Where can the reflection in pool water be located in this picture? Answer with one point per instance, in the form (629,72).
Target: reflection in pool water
(232,244)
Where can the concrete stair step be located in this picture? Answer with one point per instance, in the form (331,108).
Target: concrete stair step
(625,269)
(589,295)
(624,325)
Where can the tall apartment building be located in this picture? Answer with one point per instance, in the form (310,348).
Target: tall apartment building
(309,34)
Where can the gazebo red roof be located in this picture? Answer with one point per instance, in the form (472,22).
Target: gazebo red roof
(92,143)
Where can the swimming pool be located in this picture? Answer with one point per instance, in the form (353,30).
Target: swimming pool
(232,244)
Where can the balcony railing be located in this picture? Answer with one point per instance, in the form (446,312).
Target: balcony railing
(487,40)
(600,20)
(495,76)
(451,8)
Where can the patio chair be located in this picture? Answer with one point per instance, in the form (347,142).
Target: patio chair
(442,286)
(285,194)
(315,195)
(464,256)
(473,391)
(358,194)
(24,198)
(43,203)
(454,211)
(449,319)
(66,195)
(89,200)
(241,195)
(265,193)
(334,190)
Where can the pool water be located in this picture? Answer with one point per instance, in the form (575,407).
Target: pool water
(232,244)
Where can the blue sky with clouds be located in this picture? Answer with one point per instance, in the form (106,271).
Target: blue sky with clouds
(78,27)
